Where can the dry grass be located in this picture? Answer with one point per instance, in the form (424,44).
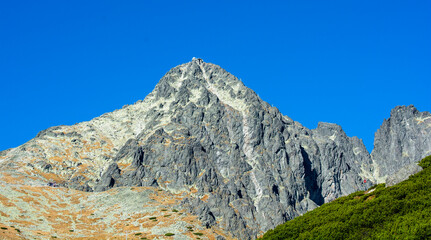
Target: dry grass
(59,209)
(6,177)
(9,232)
(370,198)
(5,202)
(205,198)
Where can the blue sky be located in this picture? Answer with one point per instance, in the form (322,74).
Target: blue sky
(345,62)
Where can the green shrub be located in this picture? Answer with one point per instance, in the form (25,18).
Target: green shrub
(174,210)
(4,228)
(426,162)
(198,234)
(137,234)
(153,218)
(402,211)
(169,234)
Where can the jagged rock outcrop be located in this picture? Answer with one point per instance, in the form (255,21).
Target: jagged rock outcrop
(403,139)
(242,165)
(345,162)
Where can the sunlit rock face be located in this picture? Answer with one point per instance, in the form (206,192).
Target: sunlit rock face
(239,165)
(402,139)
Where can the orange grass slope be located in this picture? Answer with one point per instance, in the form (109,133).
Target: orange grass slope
(42,212)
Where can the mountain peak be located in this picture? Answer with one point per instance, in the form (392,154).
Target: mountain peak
(198,81)
(198,61)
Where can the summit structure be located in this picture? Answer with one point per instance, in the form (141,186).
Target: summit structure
(235,162)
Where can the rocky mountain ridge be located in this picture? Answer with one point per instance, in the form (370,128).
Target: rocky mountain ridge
(238,163)
(404,137)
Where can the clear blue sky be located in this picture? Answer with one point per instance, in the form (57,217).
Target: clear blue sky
(345,62)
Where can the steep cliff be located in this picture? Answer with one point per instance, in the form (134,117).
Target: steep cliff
(403,139)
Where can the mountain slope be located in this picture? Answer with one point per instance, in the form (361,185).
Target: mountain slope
(238,163)
(402,211)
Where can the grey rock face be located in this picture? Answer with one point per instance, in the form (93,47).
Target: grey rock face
(403,139)
(243,165)
(256,167)
(344,162)
(403,174)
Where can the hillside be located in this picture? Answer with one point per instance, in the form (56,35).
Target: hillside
(398,212)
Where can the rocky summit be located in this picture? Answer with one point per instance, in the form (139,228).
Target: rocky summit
(201,156)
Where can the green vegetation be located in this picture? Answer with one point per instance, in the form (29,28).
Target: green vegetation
(169,234)
(153,218)
(190,229)
(402,211)
(164,210)
(174,210)
(167,215)
(137,234)
(198,234)
(71,230)
(4,228)
(426,162)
